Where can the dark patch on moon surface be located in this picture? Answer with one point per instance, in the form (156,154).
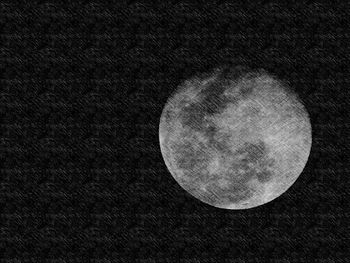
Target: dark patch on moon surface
(212,99)
(225,195)
(253,152)
(189,157)
(256,161)
(249,162)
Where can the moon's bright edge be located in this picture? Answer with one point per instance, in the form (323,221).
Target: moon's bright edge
(208,158)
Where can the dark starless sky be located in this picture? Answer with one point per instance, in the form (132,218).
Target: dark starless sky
(83,90)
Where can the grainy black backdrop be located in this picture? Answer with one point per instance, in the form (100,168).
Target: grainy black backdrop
(82,90)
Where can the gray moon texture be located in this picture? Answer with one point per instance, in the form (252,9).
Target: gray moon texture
(242,154)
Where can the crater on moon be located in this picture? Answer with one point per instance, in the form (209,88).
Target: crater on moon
(235,138)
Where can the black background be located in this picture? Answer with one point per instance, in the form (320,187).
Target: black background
(83,88)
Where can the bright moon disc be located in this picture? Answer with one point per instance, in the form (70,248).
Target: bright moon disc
(234,138)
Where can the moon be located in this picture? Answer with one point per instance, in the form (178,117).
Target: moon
(235,138)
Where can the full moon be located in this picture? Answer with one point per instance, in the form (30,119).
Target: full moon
(235,138)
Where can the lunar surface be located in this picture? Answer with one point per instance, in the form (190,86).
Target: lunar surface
(235,138)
